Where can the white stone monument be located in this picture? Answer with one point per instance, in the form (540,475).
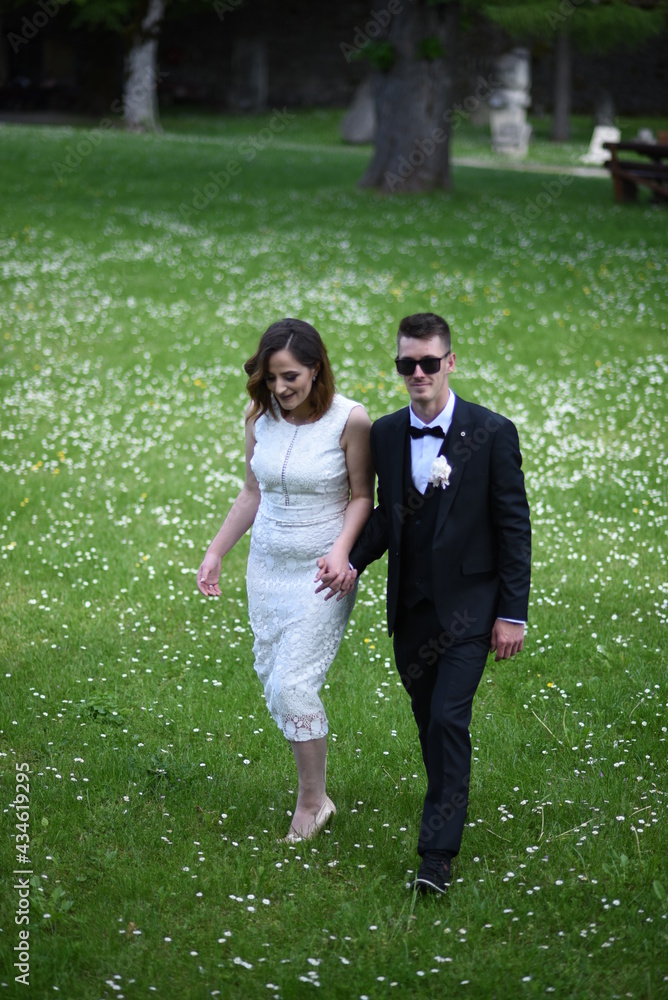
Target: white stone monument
(596,155)
(512,96)
(359,123)
(249,83)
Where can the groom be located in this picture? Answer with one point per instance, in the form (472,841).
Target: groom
(453,515)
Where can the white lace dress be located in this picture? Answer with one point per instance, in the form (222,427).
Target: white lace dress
(304,492)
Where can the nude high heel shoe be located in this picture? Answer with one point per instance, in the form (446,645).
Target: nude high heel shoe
(323,816)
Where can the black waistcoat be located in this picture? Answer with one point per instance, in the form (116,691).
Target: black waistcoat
(417,536)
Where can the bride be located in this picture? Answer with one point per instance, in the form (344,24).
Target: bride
(308,492)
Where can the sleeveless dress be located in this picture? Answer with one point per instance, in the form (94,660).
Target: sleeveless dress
(304,492)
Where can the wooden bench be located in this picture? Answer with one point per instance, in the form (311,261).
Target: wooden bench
(627,175)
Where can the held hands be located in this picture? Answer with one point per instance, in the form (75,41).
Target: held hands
(208,576)
(507,639)
(334,574)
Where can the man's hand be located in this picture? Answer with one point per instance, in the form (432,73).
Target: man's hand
(338,580)
(507,639)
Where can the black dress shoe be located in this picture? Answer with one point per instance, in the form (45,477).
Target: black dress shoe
(434,873)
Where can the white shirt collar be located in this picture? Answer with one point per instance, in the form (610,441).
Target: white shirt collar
(444,418)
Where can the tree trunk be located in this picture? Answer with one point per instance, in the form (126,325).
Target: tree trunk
(4,70)
(140,94)
(414,101)
(561,123)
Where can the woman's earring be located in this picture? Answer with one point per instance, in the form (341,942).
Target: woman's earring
(314,378)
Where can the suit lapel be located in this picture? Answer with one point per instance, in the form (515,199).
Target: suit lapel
(459,451)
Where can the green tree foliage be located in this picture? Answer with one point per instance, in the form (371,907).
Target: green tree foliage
(115,15)
(593,26)
(124,16)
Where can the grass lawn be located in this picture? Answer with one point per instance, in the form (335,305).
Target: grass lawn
(322,127)
(138,273)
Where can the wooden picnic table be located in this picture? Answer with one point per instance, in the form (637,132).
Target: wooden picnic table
(651,172)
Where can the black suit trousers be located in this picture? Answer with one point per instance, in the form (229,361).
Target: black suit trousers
(441,675)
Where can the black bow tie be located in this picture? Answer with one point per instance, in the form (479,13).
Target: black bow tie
(420,432)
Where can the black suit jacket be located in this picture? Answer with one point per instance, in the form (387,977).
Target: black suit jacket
(481,551)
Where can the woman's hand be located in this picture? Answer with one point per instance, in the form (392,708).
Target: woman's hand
(334,573)
(208,576)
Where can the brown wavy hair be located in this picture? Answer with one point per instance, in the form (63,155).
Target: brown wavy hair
(305,343)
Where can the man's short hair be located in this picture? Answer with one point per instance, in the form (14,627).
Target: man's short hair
(422,326)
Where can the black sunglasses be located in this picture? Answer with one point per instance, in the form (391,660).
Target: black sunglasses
(429,366)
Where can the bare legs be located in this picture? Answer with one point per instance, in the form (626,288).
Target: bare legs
(313,807)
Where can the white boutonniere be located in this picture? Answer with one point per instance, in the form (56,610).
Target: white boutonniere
(439,474)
